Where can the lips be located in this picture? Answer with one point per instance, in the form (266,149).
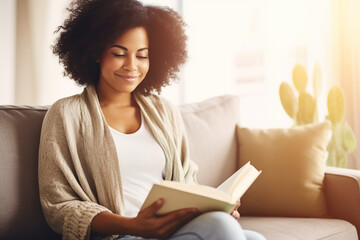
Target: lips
(128,78)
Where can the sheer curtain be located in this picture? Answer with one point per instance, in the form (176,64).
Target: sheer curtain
(346,63)
(7,50)
(34,76)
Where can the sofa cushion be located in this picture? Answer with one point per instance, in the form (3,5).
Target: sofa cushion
(20,211)
(275,228)
(211,129)
(293,164)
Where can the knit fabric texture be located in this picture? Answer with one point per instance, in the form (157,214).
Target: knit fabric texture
(79,173)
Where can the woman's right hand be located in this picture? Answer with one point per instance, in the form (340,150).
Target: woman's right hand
(150,225)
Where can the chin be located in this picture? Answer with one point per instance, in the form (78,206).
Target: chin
(126,90)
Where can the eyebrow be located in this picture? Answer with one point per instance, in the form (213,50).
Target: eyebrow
(124,48)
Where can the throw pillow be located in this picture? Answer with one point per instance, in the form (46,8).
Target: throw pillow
(210,127)
(293,167)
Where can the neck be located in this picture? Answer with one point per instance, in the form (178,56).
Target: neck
(109,96)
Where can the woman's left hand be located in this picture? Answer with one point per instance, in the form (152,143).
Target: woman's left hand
(235,212)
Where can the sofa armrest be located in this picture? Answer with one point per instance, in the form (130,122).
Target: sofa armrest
(342,192)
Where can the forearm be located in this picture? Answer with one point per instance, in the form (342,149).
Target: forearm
(112,224)
(147,224)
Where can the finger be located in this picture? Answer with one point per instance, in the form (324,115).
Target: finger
(172,226)
(237,205)
(171,222)
(179,215)
(235,214)
(185,218)
(151,210)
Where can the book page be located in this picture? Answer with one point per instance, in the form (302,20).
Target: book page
(227,186)
(198,189)
(240,181)
(243,183)
(181,195)
(175,199)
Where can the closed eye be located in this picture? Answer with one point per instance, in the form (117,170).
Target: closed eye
(118,55)
(123,55)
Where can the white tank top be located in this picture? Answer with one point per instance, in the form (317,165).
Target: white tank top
(142,163)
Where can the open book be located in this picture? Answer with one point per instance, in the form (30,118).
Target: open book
(223,198)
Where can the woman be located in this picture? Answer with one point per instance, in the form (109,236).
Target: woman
(102,150)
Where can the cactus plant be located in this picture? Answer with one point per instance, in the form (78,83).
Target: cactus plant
(343,139)
(300,78)
(303,110)
(307,109)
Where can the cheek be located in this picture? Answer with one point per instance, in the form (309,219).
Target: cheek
(108,64)
(145,67)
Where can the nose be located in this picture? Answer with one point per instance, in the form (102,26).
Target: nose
(130,63)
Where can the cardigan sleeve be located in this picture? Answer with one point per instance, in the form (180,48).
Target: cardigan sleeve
(189,167)
(67,208)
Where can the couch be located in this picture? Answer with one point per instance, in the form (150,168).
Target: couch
(212,140)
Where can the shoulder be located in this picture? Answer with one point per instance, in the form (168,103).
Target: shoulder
(163,105)
(63,112)
(65,105)
(159,100)
(63,108)
(169,112)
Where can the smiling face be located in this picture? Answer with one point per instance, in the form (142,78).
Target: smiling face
(125,63)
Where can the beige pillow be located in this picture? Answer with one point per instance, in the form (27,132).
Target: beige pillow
(210,128)
(293,162)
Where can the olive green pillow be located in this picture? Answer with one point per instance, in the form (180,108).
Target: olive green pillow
(292,161)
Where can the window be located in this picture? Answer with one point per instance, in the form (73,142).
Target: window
(248,48)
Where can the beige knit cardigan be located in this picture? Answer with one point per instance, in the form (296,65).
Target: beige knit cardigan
(79,173)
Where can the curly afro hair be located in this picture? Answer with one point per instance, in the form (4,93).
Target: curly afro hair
(94,24)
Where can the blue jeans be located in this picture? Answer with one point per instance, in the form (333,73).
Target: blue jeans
(210,226)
